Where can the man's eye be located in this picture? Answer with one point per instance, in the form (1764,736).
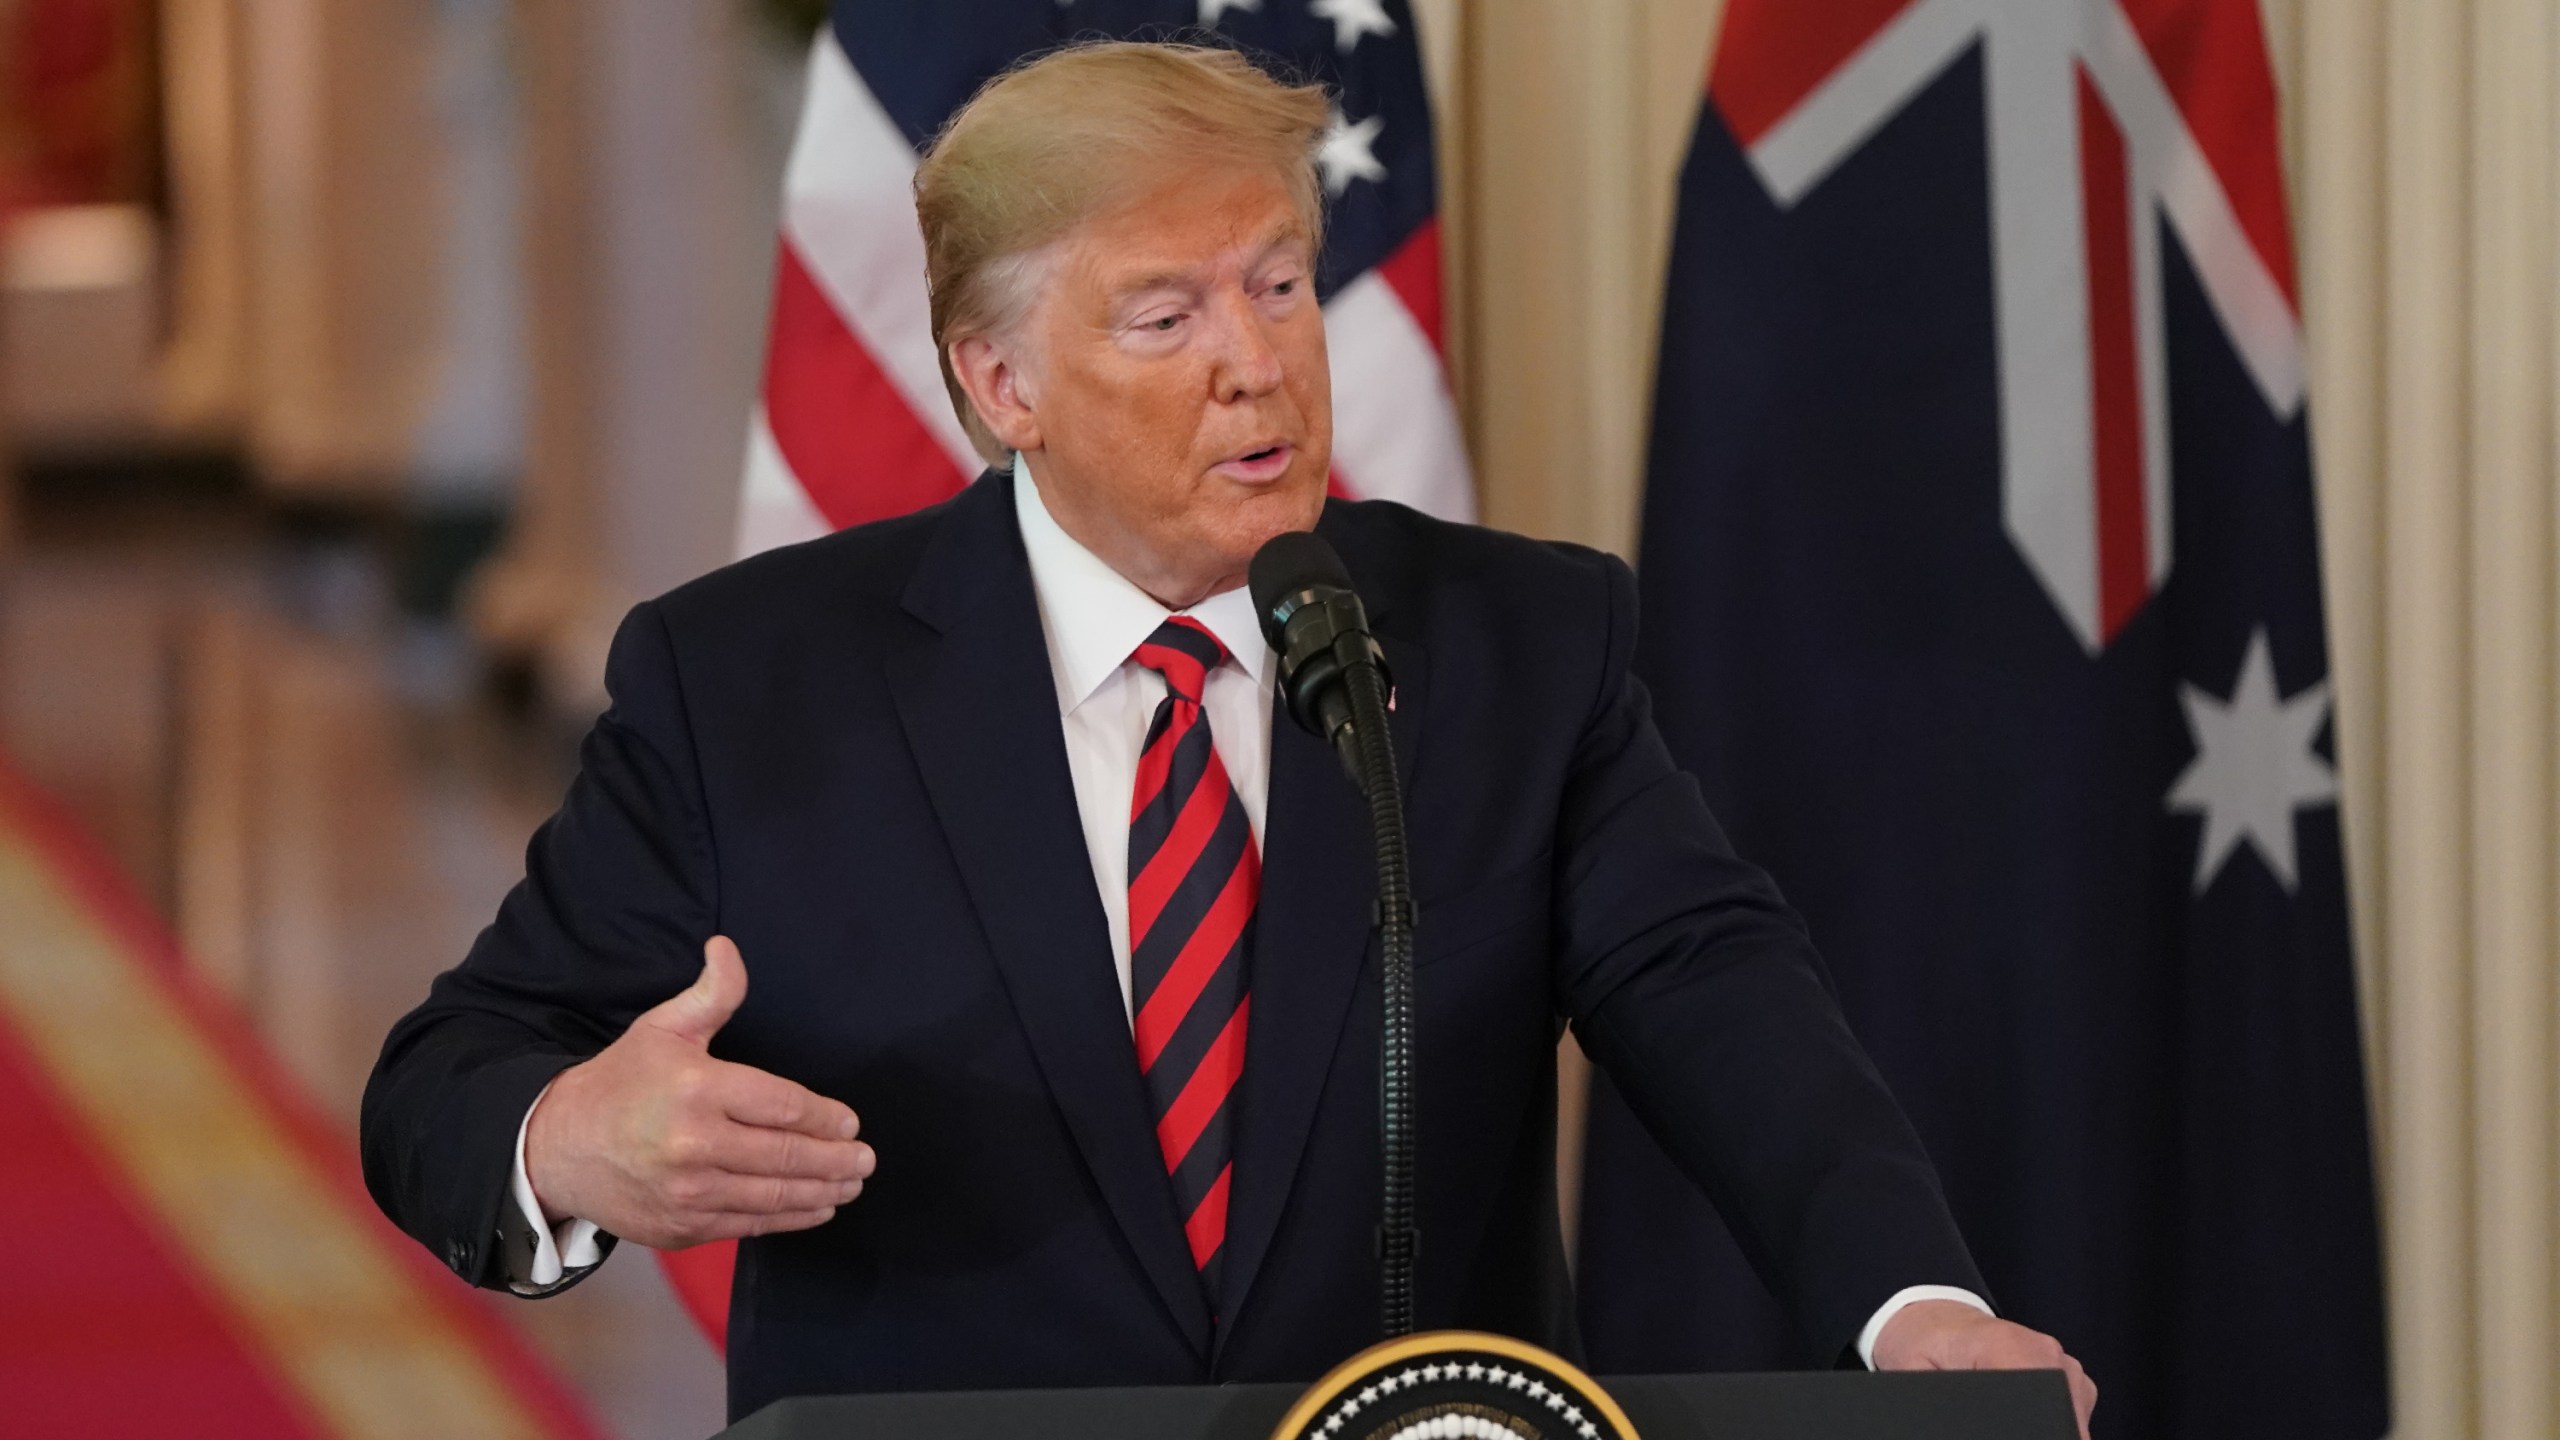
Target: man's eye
(1285,287)
(1164,322)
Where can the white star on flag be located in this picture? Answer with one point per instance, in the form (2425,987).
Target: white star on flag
(1346,156)
(2254,766)
(1353,19)
(1210,10)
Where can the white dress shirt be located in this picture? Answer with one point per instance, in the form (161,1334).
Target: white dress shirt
(1093,620)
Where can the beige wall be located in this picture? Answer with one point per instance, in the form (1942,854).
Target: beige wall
(2422,138)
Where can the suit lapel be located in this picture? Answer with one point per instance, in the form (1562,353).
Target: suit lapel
(1312,943)
(979,710)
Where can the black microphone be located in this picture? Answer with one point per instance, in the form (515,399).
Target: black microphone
(1314,619)
(1335,679)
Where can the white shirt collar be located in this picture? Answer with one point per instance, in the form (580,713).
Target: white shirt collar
(1094,618)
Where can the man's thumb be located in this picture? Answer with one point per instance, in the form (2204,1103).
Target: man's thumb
(697,1012)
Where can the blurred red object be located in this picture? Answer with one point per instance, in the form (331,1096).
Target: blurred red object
(75,103)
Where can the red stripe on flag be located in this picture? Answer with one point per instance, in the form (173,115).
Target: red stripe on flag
(1204,1092)
(1151,887)
(2124,566)
(1776,52)
(1201,955)
(1413,272)
(844,428)
(2212,54)
(1206,1230)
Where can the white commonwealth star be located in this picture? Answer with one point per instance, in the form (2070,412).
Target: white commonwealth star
(1346,155)
(1210,10)
(1353,19)
(2254,766)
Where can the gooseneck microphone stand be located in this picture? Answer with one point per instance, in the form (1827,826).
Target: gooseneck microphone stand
(1398,1238)
(1334,677)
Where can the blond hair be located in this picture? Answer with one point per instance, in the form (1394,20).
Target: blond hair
(1062,138)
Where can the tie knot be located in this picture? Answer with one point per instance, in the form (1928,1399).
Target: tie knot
(1184,652)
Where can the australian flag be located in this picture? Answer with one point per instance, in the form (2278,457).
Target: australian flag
(1981,590)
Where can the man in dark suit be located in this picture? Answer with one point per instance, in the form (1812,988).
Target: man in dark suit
(993,800)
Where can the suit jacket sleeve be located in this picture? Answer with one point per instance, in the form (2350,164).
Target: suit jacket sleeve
(1688,977)
(620,892)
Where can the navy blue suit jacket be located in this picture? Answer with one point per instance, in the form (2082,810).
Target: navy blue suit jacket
(846,755)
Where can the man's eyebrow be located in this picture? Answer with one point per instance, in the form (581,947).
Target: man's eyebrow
(1155,280)
(1280,236)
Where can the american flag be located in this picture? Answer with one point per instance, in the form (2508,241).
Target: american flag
(853,423)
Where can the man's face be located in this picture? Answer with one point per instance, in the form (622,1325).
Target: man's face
(1175,373)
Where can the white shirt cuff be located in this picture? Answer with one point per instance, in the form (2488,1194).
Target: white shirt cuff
(556,1251)
(1891,1308)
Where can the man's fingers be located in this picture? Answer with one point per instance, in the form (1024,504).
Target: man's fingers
(760,1151)
(752,1097)
(725,1194)
(697,1012)
(735,1226)
(2084,1394)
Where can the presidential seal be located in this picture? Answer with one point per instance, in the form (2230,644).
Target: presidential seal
(1455,1385)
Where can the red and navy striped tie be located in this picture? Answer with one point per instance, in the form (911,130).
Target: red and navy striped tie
(1194,877)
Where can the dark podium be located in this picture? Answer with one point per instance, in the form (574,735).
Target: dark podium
(2015,1405)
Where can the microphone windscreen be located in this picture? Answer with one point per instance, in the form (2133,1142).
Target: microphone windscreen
(1286,567)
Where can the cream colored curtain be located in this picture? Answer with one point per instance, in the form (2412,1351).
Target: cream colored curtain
(2422,137)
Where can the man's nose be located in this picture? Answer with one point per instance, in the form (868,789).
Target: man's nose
(1248,363)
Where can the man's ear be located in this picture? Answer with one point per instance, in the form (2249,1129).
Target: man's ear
(992,375)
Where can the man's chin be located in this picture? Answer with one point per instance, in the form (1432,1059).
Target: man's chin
(1252,515)
(1301,497)
(1250,543)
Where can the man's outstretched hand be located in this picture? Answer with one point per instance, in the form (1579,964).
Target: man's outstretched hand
(1947,1335)
(658,1143)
